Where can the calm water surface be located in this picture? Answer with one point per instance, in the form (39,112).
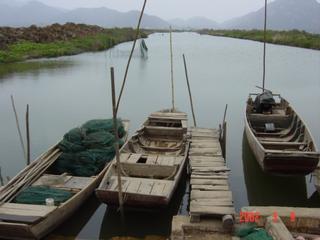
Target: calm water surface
(67,91)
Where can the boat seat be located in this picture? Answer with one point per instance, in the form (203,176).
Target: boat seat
(141,186)
(64,181)
(24,213)
(151,159)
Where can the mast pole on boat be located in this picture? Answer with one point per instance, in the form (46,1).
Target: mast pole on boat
(264,45)
(116,144)
(28,135)
(171,60)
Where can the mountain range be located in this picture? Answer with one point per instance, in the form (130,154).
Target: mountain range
(282,15)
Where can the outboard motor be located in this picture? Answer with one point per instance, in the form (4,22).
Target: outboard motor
(264,102)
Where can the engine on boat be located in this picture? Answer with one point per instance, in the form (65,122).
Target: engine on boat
(264,102)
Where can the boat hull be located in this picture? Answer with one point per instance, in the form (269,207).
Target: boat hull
(281,162)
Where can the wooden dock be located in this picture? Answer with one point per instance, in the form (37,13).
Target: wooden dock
(210,196)
(210,192)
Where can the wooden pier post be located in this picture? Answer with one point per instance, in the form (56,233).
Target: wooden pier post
(171,61)
(28,135)
(116,145)
(18,127)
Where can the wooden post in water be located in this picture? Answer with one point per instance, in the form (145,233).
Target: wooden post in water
(189,89)
(1,178)
(264,45)
(28,135)
(171,61)
(223,133)
(18,127)
(116,145)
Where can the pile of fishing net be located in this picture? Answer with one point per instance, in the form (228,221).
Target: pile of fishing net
(86,149)
(249,231)
(39,194)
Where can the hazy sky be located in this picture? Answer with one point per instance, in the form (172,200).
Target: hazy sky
(218,10)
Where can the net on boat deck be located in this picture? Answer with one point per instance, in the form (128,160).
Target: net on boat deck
(39,194)
(88,148)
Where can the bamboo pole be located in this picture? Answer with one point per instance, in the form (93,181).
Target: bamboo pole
(116,145)
(18,127)
(189,89)
(131,53)
(171,61)
(28,135)
(1,178)
(264,45)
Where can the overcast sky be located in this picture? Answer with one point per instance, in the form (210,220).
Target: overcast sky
(218,10)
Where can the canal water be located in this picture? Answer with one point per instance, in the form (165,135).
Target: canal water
(67,91)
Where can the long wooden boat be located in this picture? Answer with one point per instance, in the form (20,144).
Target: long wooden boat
(31,221)
(152,162)
(278,137)
(317,179)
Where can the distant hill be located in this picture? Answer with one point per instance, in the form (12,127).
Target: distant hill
(193,23)
(282,15)
(40,14)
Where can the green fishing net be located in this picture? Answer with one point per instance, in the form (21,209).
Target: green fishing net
(249,231)
(87,149)
(38,195)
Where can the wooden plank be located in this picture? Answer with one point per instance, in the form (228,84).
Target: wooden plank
(277,229)
(210,187)
(207,164)
(195,176)
(166,160)
(124,157)
(133,186)
(167,189)
(209,182)
(158,188)
(213,202)
(206,159)
(134,158)
(145,187)
(78,182)
(205,144)
(195,194)
(152,159)
(211,169)
(178,160)
(20,219)
(211,210)
(23,210)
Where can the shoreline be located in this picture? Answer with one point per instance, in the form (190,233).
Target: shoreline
(292,38)
(78,39)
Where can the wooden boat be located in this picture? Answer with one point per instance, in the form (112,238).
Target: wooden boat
(152,162)
(30,221)
(317,179)
(278,137)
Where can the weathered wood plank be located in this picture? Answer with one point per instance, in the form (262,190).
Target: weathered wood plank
(134,158)
(133,186)
(195,176)
(152,159)
(210,169)
(277,229)
(158,189)
(195,194)
(211,210)
(124,157)
(210,187)
(207,164)
(145,187)
(22,210)
(209,182)
(213,202)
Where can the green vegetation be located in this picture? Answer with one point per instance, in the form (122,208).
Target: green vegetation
(291,38)
(24,50)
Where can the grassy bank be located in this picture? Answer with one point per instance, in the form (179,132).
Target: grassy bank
(290,38)
(23,50)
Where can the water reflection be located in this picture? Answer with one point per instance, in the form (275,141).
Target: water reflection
(35,68)
(142,223)
(264,189)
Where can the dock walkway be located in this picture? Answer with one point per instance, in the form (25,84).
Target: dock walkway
(210,192)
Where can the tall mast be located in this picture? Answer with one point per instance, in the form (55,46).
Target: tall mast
(264,45)
(171,58)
